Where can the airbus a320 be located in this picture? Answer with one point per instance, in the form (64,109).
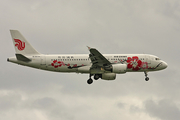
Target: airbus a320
(97,65)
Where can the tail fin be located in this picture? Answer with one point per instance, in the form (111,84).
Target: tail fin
(22,46)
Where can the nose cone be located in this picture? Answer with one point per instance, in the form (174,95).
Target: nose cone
(164,65)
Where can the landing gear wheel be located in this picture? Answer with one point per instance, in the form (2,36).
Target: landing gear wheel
(146,75)
(146,78)
(96,77)
(90,81)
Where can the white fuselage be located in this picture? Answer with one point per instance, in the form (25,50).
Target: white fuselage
(81,63)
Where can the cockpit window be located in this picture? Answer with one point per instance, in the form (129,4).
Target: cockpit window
(157,58)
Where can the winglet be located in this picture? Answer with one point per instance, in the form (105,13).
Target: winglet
(88,47)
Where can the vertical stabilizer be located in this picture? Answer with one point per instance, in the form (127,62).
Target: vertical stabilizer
(22,46)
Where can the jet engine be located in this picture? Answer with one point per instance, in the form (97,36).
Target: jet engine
(119,68)
(108,76)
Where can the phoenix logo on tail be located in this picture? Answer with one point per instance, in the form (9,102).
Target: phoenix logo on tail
(19,44)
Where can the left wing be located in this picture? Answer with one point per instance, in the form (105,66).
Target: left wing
(97,59)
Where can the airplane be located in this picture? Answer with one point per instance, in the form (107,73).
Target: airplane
(104,66)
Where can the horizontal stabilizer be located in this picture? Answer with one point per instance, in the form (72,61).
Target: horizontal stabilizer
(22,58)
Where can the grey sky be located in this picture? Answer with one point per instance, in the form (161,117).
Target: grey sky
(111,26)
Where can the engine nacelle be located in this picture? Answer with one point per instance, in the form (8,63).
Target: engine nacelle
(108,76)
(119,68)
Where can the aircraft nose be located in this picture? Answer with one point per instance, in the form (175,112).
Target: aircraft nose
(164,64)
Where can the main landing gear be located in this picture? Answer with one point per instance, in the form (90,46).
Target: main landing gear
(90,81)
(96,77)
(146,75)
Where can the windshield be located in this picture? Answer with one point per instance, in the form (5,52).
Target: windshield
(157,59)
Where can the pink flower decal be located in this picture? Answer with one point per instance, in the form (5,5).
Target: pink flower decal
(134,63)
(144,65)
(57,64)
(75,65)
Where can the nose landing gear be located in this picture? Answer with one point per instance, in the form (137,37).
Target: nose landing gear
(146,75)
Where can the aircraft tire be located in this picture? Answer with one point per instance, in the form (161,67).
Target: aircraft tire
(147,79)
(90,81)
(96,77)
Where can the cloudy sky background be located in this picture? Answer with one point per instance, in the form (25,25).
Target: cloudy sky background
(111,26)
